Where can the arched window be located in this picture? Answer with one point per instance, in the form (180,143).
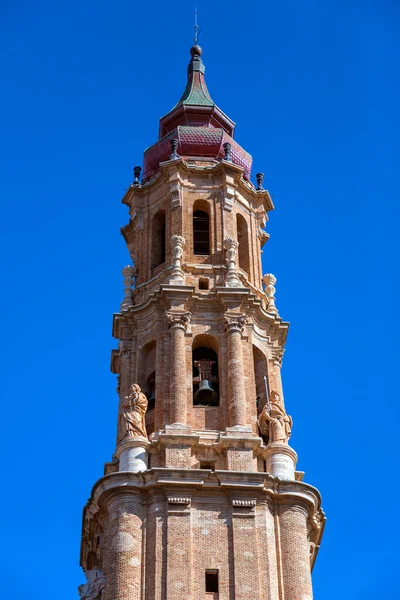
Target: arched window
(147,381)
(201,232)
(158,239)
(205,372)
(260,371)
(243,240)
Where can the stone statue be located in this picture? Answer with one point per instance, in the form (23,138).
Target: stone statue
(93,589)
(274,423)
(131,415)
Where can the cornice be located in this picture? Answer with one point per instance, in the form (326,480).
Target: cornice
(184,166)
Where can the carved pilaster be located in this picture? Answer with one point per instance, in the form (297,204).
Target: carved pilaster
(176,195)
(232,279)
(229,197)
(177,246)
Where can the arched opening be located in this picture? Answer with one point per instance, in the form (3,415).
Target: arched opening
(147,381)
(243,241)
(260,371)
(205,371)
(201,232)
(158,239)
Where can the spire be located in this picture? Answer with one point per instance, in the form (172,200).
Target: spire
(196,106)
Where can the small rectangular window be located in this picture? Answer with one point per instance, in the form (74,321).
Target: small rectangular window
(212,581)
(203,284)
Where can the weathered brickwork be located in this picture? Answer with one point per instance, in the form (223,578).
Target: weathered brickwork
(204,520)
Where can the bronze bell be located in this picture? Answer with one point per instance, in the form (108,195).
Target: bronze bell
(205,395)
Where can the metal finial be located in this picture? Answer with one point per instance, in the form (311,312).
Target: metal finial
(197,31)
(136,175)
(174,149)
(260,179)
(227,150)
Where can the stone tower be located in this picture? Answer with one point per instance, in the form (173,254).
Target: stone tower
(202,499)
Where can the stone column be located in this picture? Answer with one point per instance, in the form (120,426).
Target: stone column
(178,393)
(123,549)
(234,326)
(295,552)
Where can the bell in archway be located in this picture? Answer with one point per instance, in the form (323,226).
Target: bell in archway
(205,395)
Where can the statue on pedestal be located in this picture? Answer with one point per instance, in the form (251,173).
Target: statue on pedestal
(274,423)
(131,422)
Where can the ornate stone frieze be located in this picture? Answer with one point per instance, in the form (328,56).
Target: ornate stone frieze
(244,503)
(178,500)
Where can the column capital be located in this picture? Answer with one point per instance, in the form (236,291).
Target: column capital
(235,323)
(178,320)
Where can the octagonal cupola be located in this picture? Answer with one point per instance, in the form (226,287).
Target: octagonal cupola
(196,127)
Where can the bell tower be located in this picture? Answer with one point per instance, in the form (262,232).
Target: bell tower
(202,499)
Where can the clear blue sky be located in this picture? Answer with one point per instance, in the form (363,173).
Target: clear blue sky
(314,90)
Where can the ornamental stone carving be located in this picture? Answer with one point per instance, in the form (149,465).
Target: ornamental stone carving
(181,320)
(235,323)
(131,420)
(177,247)
(128,273)
(232,279)
(269,281)
(93,589)
(274,423)
(176,195)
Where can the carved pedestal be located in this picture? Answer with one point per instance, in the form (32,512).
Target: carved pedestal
(281,461)
(132,454)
